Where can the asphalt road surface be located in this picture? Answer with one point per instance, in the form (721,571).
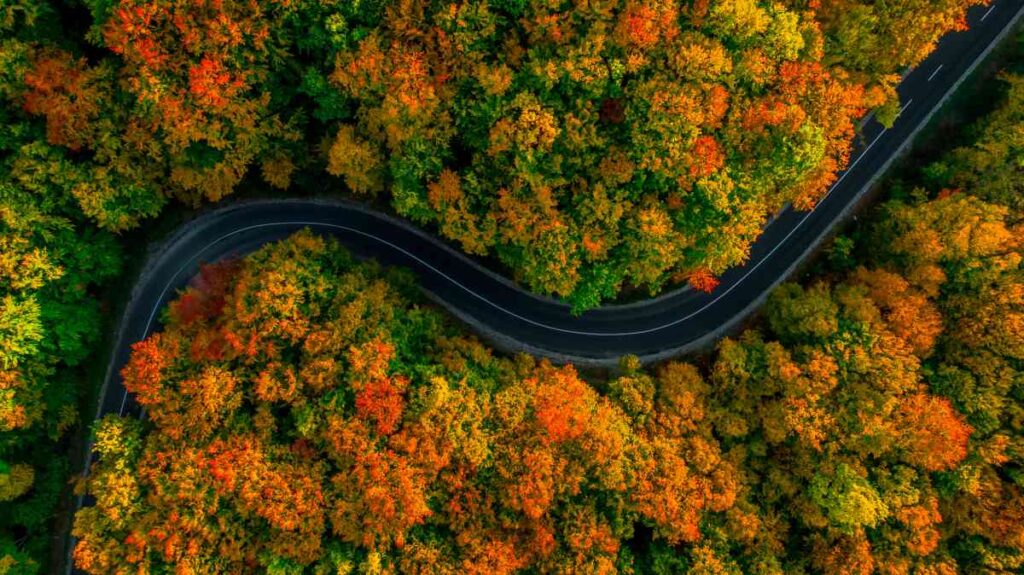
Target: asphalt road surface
(677,322)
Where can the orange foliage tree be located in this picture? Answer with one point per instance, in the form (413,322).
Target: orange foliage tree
(590,146)
(303,413)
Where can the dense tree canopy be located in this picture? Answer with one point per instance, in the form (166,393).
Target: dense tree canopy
(50,262)
(306,415)
(990,166)
(592,145)
(587,145)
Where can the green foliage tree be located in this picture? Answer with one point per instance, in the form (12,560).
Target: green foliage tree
(679,127)
(849,500)
(303,414)
(586,147)
(990,166)
(51,259)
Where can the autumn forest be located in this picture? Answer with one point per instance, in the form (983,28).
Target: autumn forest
(311,412)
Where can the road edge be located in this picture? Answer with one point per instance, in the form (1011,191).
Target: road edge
(705,341)
(499,340)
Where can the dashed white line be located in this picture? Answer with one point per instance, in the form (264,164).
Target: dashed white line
(170,282)
(156,307)
(989,11)
(934,73)
(905,106)
(124,400)
(846,172)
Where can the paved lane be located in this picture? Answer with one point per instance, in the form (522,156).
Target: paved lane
(653,329)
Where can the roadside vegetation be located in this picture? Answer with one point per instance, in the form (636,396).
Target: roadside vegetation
(545,135)
(586,146)
(309,414)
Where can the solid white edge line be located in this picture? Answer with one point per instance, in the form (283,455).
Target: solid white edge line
(167,287)
(124,400)
(70,564)
(198,255)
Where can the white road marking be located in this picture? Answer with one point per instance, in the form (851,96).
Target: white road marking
(156,308)
(934,73)
(846,172)
(124,400)
(905,106)
(989,11)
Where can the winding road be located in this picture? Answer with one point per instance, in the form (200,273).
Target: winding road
(680,321)
(677,322)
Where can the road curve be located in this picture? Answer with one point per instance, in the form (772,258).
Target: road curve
(678,322)
(681,321)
